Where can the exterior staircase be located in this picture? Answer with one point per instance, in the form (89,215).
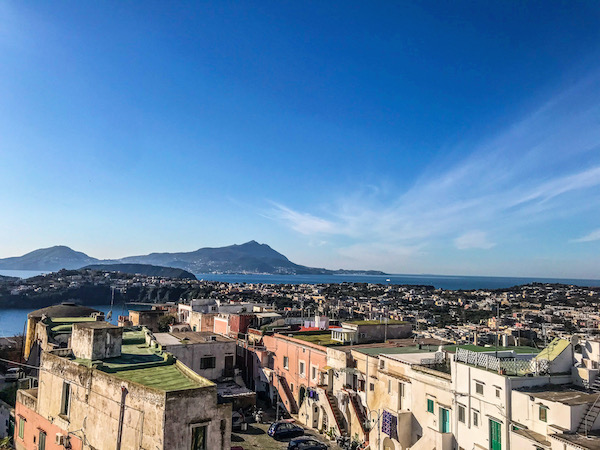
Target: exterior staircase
(359,412)
(595,386)
(339,417)
(289,395)
(587,422)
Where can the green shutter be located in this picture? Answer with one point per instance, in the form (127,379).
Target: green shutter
(495,436)
(429,405)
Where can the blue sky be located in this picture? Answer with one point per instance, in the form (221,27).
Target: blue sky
(410,137)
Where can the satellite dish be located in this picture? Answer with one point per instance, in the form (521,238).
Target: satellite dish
(574,340)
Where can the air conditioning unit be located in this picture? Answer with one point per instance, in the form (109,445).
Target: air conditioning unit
(60,439)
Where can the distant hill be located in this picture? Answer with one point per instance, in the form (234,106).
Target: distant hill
(48,259)
(145,269)
(5,279)
(251,257)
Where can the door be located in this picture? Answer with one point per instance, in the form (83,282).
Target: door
(229,366)
(444,420)
(495,437)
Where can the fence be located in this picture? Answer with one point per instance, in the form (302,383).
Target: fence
(507,366)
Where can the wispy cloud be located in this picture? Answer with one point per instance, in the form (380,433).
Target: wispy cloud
(590,237)
(303,222)
(473,239)
(543,167)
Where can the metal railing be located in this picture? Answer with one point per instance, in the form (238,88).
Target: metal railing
(508,366)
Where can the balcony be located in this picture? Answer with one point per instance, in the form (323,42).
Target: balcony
(28,398)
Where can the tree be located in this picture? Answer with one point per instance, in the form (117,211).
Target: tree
(164,322)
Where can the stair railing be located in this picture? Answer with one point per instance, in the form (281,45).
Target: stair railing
(585,419)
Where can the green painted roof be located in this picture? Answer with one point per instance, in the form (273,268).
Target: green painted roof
(165,378)
(319,339)
(373,351)
(146,365)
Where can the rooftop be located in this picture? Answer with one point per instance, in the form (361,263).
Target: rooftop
(63,310)
(567,395)
(317,338)
(376,322)
(146,365)
(64,325)
(190,337)
(590,442)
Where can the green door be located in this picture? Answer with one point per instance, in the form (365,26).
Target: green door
(495,438)
(444,420)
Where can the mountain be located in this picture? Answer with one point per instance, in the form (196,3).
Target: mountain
(250,257)
(48,259)
(144,269)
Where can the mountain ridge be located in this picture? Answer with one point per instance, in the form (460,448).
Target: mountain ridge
(250,257)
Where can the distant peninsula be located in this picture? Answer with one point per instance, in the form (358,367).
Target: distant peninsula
(248,258)
(144,269)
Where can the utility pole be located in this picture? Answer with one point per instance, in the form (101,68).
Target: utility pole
(497,320)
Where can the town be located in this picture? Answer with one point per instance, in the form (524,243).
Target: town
(350,365)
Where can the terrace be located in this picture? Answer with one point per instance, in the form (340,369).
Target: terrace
(146,365)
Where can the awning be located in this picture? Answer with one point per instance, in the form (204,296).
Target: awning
(326,369)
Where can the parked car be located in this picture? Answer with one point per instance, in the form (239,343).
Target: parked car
(306,443)
(284,430)
(14,374)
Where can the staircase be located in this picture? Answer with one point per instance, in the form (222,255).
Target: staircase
(289,395)
(339,418)
(359,412)
(595,387)
(589,418)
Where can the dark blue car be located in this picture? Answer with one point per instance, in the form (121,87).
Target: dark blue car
(306,443)
(284,430)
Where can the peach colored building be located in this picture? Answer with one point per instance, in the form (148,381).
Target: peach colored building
(298,365)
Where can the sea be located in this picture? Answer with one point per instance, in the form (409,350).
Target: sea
(12,321)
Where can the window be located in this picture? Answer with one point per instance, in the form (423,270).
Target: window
(21,427)
(371,387)
(199,438)
(65,404)
(381,364)
(389,386)
(292,387)
(461,413)
(430,405)
(498,392)
(475,419)
(42,441)
(208,362)
(361,385)
(543,413)
(302,369)
(313,371)
(286,362)
(479,388)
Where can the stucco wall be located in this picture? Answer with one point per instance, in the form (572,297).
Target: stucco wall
(191,355)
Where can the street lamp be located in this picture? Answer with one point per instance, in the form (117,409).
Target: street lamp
(370,422)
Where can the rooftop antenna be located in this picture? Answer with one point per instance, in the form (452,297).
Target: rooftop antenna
(112,300)
(497,320)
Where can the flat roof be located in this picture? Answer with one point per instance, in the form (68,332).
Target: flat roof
(410,358)
(95,324)
(140,363)
(568,395)
(190,337)
(376,322)
(590,442)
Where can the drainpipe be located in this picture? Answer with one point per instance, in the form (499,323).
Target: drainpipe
(124,393)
